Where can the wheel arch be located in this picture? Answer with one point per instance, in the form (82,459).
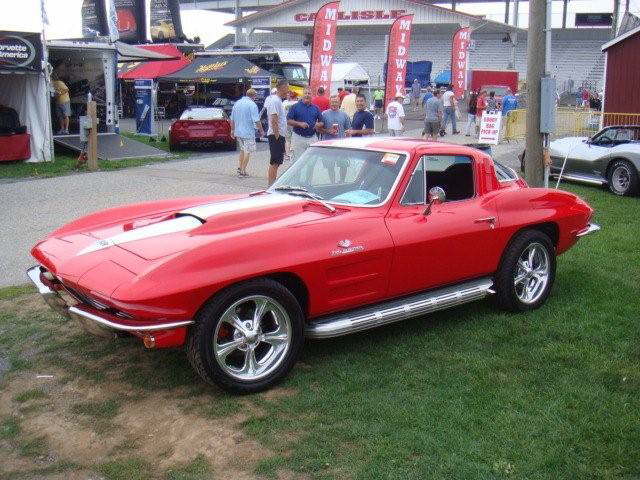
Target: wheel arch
(551,229)
(289,280)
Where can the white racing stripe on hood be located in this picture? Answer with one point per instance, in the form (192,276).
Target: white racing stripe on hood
(248,203)
(189,219)
(173,225)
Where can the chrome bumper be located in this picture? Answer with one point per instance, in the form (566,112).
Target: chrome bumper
(93,320)
(591,228)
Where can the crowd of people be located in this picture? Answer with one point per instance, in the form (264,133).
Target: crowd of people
(295,123)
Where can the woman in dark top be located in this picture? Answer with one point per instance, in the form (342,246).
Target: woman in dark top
(471,113)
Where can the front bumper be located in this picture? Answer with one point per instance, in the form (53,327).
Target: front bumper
(591,228)
(95,320)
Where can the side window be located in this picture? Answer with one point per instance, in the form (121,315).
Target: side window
(416,191)
(504,174)
(452,173)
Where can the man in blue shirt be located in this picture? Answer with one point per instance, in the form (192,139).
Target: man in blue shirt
(362,123)
(245,119)
(306,119)
(509,102)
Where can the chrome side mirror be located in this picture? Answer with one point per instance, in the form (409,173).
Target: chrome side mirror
(436,197)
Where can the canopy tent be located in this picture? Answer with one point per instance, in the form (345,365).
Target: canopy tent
(131,53)
(343,74)
(153,70)
(217,69)
(443,78)
(24,87)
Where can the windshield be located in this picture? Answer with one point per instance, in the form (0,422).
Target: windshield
(202,114)
(343,175)
(499,91)
(294,72)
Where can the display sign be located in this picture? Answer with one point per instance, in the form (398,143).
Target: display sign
(490,128)
(164,20)
(363,15)
(262,87)
(460,60)
(20,52)
(397,55)
(117,19)
(324,47)
(145,103)
(594,19)
(129,20)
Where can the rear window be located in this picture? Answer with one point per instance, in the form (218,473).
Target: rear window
(504,173)
(202,114)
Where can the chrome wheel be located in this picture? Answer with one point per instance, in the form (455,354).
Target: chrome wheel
(532,273)
(621,178)
(252,337)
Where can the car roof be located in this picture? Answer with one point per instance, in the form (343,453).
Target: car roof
(395,144)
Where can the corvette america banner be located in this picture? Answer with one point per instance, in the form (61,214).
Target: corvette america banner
(459,60)
(397,55)
(20,51)
(324,47)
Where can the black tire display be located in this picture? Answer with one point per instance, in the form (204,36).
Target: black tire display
(247,337)
(622,178)
(526,272)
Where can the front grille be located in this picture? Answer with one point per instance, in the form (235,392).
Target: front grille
(86,300)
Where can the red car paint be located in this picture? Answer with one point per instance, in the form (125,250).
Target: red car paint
(169,277)
(201,131)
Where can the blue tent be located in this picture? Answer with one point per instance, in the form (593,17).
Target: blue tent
(443,78)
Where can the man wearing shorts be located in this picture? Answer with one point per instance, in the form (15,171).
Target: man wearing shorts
(277,128)
(433,116)
(245,119)
(63,104)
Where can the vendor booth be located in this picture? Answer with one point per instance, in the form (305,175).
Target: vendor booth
(347,75)
(25,128)
(220,76)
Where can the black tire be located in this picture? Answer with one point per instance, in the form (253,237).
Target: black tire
(625,168)
(507,297)
(200,349)
(173,147)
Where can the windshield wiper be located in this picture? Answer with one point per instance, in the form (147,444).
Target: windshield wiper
(290,188)
(303,192)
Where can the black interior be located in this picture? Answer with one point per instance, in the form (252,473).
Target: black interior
(10,122)
(456,181)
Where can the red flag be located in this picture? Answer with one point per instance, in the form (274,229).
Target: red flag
(324,46)
(397,55)
(459,60)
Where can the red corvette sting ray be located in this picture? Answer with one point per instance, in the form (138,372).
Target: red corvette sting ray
(358,233)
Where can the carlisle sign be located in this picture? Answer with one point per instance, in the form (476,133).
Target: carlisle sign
(355,15)
(20,51)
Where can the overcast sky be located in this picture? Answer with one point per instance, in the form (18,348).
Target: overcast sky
(64,16)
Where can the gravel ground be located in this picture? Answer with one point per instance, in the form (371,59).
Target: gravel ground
(35,207)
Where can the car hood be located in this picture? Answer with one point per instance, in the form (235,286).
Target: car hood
(101,257)
(564,144)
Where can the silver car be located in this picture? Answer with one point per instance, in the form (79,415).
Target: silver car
(611,157)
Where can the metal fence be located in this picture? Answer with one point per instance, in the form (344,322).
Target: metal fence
(570,122)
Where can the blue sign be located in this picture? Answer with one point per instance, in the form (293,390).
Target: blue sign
(145,103)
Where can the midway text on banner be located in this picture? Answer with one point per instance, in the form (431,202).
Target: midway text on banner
(460,60)
(324,47)
(397,56)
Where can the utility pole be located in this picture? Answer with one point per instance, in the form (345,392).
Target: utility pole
(616,13)
(238,31)
(534,162)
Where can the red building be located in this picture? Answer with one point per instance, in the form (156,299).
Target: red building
(622,73)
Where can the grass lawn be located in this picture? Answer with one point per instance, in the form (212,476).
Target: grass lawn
(463,394)
(64,164)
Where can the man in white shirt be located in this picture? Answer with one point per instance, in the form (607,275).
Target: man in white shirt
(277,128)
(449,101)
(395,116)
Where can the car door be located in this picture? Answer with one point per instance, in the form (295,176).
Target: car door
(454,241)
(586,157)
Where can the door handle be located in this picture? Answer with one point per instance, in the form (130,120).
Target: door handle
(490,220)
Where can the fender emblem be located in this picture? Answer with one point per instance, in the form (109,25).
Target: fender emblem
(346,246)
